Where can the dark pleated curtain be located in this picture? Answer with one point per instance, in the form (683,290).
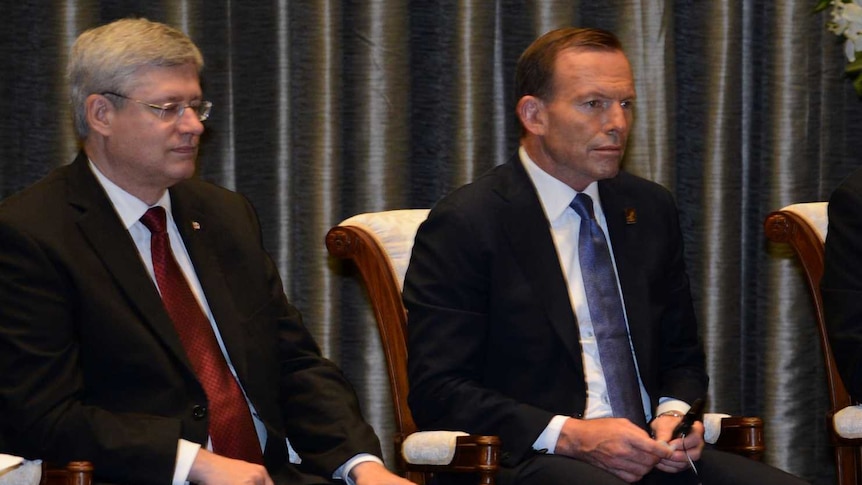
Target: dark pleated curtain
(325,109)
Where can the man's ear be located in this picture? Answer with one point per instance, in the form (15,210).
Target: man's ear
(531,112)
(99,113)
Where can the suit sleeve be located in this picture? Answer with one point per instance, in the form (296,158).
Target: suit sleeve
(681,370)
(44,406)
(841,286)
(447,291)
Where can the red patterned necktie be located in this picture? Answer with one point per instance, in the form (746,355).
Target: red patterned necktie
(231,428)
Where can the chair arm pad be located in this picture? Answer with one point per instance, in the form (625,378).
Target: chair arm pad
(848,422)
(430,447)
(712,426)
(15,471)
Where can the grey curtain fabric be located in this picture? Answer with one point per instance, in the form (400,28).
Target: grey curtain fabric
(324,109)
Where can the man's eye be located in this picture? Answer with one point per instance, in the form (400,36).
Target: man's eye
(594,103)
(170,108)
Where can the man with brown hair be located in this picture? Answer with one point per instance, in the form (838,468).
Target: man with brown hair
(548,301)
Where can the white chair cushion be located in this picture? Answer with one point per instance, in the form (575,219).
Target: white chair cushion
(430,447)
(712,426)
(395,230)
(14,470)
(814,213)
(848,422)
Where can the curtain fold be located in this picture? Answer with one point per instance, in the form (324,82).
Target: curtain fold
(325,109)
(722,176)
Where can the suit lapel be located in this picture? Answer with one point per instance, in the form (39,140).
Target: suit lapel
(618,206)
(529,234)
(111,242)
(201,235)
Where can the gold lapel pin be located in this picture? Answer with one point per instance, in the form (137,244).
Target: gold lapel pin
(631,216)
(196,225)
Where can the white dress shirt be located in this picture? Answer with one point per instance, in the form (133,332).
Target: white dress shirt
(555,197)
(131,209)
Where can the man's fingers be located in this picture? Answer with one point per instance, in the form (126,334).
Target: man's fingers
(659,449)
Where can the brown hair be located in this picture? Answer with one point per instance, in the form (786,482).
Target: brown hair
(534,73)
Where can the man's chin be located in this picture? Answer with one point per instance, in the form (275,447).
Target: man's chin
(609,172)
(183,170)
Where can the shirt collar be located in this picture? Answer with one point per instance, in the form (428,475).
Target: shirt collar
(554,195)
(128,207)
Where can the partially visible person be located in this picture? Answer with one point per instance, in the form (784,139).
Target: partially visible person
(579,350)
(143,326)
(841,287)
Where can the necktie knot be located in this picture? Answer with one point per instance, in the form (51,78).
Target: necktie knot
(155,219)
(583,206)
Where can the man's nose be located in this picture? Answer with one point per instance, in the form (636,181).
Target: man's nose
(617,118)
(189,122)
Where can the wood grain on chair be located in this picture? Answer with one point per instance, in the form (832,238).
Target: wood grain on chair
(473,454)
(74,473)
(800,226)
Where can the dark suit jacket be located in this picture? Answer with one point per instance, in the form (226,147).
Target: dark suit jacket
(493,340)
(91,366)
(841,287)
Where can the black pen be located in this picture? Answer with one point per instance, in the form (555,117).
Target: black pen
(693,414)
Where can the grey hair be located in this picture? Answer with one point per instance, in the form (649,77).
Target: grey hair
(106,58)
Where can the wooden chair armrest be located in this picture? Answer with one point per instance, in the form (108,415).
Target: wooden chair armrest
(742,435)
(473,454)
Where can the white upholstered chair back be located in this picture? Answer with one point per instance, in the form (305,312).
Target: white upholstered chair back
(814,213)
(395,231)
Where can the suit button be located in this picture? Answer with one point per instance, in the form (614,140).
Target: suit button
(199,412)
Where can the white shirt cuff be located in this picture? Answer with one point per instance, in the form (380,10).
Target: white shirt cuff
(670,404)
(343,472)
(547,441)
(186,454)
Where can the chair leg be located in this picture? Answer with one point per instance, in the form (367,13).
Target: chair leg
(415,477)
(487,478)
(847,464)
(80,473)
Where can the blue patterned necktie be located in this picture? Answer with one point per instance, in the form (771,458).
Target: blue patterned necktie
(606,311)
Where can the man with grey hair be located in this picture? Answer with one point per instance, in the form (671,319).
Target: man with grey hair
(143,327)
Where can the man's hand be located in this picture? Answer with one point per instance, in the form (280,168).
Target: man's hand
(662,428)
(373,473)
(211,469)
(612,444)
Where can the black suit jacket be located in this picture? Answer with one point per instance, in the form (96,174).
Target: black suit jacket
(493,340)
(91,366)
(841,287)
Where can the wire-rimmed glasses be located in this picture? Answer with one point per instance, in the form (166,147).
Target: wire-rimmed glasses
(172,111)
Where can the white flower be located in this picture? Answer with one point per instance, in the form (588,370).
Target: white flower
(847,21)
